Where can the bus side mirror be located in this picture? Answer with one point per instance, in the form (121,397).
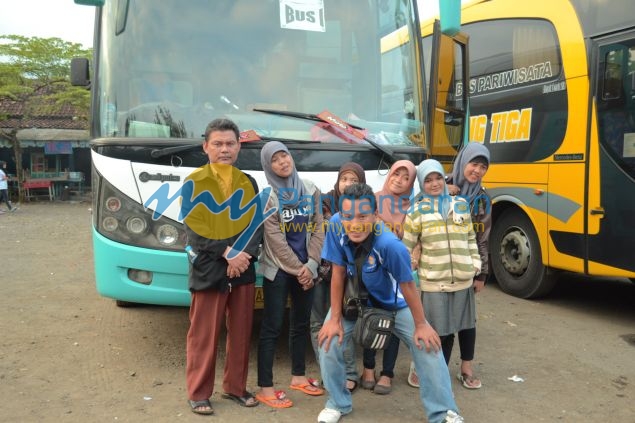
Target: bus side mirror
(79,72)
(90,2)
(450,16)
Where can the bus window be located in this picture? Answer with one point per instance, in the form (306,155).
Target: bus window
(616,104)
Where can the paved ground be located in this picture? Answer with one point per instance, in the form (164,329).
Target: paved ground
(67,354)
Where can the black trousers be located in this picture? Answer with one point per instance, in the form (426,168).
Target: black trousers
(467,342)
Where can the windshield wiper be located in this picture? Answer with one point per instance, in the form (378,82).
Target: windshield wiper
(300,115)
(166,151)
(334,122)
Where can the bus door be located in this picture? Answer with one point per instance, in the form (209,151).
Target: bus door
(614,80)
(447,110)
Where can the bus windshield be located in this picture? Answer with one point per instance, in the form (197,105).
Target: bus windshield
(166,71)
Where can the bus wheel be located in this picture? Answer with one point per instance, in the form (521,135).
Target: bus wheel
(516,257)
(125,304)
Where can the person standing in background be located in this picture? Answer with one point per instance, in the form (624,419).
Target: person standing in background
(393,202)
(350,173)
(442,227)
(292,243)
(470,166)
(4,187)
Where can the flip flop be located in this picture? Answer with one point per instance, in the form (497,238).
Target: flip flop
(203,403)
(274,401)
(243,401)
(469,381)
(314,382)
(413,379)
(308,389)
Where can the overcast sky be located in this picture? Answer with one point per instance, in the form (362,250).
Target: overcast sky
(48,18)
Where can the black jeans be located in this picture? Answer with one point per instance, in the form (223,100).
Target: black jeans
(275,295)
(389,359)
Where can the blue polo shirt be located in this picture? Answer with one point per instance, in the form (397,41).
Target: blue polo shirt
(386,266)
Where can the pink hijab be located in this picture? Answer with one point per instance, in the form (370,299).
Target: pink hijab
(392,208)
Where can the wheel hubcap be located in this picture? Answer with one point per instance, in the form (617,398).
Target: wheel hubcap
(515,252)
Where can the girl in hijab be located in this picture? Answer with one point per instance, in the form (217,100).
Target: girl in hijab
(393,203)
(349,174)
(292,247)
(442,227)
(470,167)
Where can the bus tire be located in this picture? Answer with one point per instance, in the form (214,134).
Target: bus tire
(517,258)
(125,304)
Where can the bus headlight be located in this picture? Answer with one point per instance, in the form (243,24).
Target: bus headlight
(113,204)
(124,220)
(167,234)
(136,225)
(110,224)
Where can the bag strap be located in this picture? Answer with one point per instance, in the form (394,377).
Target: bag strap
(359,287)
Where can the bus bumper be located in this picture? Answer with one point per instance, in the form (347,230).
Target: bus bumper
(163,280)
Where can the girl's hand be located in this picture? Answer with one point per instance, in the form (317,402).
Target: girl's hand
(305,278)
(478,285)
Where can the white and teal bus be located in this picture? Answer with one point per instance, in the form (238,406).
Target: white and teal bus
(162,70)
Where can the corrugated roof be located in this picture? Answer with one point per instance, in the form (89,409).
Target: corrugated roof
(62,117)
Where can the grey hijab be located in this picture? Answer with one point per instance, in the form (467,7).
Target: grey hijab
(293,186)
(469,153)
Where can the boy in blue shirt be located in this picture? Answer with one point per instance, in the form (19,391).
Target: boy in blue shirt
(356,230)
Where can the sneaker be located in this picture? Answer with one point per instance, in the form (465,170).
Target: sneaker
(453,417)
(329,415)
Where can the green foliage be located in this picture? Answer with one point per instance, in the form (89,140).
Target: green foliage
(36,71)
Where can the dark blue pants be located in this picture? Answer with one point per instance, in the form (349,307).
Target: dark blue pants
(275,293)
(389,359)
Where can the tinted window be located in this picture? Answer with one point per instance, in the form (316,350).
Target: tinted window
(616,103)
(518,102)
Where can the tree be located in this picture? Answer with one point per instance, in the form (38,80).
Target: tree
(34,72)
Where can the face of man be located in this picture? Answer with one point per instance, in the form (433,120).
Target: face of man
(358,218)
(222,147)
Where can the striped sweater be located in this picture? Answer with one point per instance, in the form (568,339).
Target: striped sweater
(449,253)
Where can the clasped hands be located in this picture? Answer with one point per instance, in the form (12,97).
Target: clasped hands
(237,265)
(305,278)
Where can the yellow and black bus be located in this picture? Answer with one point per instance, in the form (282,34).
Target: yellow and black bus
(552,95)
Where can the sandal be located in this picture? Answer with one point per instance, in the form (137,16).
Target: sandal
(196,405)
(308,388)
(314,382)
(352,388)
(413,379)
(279,400)
(469,381)
(246,400)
